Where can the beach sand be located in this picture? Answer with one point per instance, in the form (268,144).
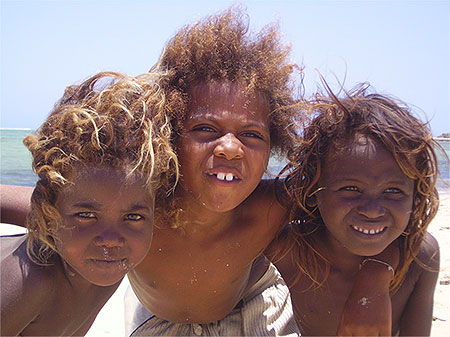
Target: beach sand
(110,321)
(440,228)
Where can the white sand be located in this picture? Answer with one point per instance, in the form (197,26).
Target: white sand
(440,228)
(110,321)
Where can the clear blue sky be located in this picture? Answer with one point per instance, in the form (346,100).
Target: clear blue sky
(401,47)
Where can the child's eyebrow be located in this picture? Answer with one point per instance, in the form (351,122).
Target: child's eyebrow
(357,180)
(91,204)
(138,207)
(213,117)
(398,182)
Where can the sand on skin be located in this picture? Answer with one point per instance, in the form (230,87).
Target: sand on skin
(110,320)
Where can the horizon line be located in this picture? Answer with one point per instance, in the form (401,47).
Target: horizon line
(24,129)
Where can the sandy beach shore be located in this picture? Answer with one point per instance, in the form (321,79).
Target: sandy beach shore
(110,321)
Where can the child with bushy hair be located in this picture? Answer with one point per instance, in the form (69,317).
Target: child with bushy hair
(101,156)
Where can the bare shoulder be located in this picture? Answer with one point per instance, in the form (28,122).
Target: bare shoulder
(25,286)
(412,305)
(265,205)
(429,253)
(276,251)
(269,194)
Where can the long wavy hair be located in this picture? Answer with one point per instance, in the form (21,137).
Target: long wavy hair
(384,119)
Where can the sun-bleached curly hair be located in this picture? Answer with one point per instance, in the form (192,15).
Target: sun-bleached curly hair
(337,121)
(219,47)
(110,119)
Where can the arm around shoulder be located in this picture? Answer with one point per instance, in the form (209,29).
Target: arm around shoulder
(417,317)
(15,203)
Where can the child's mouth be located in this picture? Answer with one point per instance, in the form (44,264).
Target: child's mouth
(225,176)
(106,263)
(371,231)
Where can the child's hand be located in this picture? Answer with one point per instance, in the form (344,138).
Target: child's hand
(368,310)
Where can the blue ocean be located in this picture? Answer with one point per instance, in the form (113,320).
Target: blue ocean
(15,161)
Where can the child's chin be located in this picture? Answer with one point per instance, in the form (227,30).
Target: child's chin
(102,281)
(368,251)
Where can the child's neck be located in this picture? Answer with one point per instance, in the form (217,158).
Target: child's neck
(195,218)
(341,259)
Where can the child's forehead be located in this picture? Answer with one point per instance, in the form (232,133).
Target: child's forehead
(95,185)
(355,150)
(360,153)
(359,143)
(102,174)
(226,92)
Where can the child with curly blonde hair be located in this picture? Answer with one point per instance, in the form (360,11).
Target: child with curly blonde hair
(101,156)
(364,179)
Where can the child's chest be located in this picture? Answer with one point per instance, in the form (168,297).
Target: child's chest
(185,279)
(318,312)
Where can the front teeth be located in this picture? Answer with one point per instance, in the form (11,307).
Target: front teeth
(223,176)
(370,232)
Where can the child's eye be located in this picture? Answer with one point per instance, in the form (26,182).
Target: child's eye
(204,128)
(393,190)
(349,188)
(85,215)
(133,217)
(252,134)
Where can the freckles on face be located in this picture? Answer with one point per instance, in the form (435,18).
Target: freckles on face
(107,223)
(366,200)
(224,147)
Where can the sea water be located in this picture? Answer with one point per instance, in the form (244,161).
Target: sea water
(15,161)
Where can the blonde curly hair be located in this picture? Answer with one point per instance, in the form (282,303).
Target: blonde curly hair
(110,119)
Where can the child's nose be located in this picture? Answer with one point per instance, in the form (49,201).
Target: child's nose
(229,147)
(371,208)
(109,238)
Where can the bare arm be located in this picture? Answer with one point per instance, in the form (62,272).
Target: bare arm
(417,317)
(15,204)
(371,293)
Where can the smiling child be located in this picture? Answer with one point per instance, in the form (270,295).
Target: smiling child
(364,179)
(99,157)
